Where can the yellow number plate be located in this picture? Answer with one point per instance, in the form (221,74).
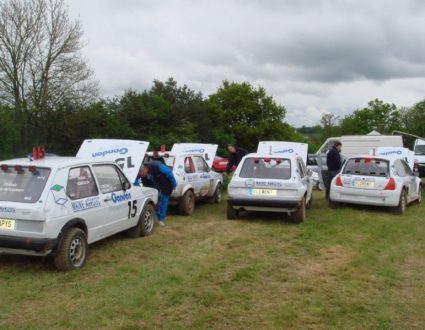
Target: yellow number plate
(7,224)
(364,184)
(262,192)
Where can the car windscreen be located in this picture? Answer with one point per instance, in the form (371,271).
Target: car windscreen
(420,150)
(22,184)
(266,168)
(367,166)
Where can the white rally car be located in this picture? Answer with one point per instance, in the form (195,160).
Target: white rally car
(384,179)
(191,165)
(274,179)
(58,205)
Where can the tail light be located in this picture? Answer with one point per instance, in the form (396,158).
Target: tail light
(338,181)
(18,168)
(4,168)
(390,185)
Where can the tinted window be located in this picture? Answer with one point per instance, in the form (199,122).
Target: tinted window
(399,167)
(264,168)
(200,164)
(420,150)
(188,165)
(301,169)
(108,177)
(81,183)
(366,166)
(407,169)
(21,184)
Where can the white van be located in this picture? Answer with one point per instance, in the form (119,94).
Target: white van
(419,150)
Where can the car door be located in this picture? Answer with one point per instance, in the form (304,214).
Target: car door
(85,202)
(306,180)
(191,175)
(122,206)
(205,178)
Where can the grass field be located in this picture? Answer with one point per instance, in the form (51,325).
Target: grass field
(349,268)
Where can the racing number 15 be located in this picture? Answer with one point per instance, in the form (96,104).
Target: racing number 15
(132,207)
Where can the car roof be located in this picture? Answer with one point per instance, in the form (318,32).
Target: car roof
(172,154)
(390,159)
(53,162)
(264,155)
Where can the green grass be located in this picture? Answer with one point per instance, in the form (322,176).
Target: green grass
(350,268)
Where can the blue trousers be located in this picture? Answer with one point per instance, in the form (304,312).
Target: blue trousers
(161,210)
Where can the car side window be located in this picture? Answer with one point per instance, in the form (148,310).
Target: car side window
(301,169)
(188,165)
(399,167)
(200,164)
(109,178)
(407,168)
(81,183)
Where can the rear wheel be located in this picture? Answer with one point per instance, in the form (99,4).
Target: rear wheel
(402,204)
(187,203)
(72,252)
(231,213)
(300,214)
(146,223)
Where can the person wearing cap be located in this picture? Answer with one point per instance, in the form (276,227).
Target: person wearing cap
(157,175)
(334,164)
(236,155)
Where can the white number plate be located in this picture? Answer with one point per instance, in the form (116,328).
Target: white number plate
(7,224)
(364,184)
(262,192)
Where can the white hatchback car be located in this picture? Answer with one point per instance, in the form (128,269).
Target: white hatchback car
(191,165)
(378,181)
(58,205)
(275,179)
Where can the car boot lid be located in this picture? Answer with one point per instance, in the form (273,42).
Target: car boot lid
(396,153)
(208,151)
(283,148)
(128,154)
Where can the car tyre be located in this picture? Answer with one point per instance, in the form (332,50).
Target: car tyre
(146,223)
(402,204)
(231,213)
(218,194)
(72,251)
(300,214)
(187,203)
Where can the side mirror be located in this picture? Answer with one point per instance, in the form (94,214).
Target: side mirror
(309,172)
(416,172)
(126,185)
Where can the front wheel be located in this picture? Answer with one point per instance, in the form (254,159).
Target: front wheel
(72,252)
(146,223)
(187,203)
(218,193)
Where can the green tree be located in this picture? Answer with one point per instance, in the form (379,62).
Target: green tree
(415,119)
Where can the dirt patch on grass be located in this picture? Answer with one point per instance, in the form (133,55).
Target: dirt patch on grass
(325,266)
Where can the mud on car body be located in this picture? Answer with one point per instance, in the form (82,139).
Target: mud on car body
(191,165)
(58,205)
(275,179)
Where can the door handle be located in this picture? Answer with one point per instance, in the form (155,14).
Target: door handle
(107,199)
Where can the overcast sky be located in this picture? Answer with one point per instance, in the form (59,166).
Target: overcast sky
(312,56)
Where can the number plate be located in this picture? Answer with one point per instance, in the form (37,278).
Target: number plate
(7,224)
(262,192)
(364,184)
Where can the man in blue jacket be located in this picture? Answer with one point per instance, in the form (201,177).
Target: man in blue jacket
(157,175)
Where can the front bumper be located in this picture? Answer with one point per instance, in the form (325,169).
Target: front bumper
(27,245)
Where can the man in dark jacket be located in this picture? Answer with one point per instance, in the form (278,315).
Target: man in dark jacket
(333,161)
(236,155)
(157,175)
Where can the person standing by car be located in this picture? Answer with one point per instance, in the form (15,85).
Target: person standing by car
(157,175)
(236,155)
(334,164)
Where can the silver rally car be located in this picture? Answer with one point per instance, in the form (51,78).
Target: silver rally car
(191,165)
(275,179)
(56,206)
(384,179)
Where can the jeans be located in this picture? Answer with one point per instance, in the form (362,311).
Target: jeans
(161,211)
(330,176)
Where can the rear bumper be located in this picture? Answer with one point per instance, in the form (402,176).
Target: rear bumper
(241,202)
(365,197)
(41,246)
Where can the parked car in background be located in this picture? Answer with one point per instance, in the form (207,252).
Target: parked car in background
(191,166)
(376,180)
(275,179)
(220,164)
(56,206)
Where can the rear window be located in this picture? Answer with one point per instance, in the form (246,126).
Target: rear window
(22,184)
(420,150)
(266,168)
(367,166)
